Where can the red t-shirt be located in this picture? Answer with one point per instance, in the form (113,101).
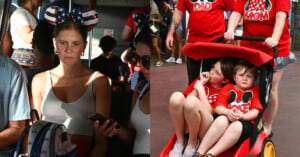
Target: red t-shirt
(244,101)
(259,21)
(206,19)
(130,22)
(211,92)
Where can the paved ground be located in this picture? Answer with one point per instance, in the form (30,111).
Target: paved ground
(171,77)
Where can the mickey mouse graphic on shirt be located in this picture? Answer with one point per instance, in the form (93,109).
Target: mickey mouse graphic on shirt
(202,5)
(212,98)
(257,10)
(240,104)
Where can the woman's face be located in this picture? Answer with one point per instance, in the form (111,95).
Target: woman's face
(143,51)
(69,45)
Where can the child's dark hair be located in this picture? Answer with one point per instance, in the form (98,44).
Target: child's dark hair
(107,44)
(249,67)
(227,65)
(70,25)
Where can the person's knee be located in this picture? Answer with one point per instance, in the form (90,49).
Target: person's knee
(177,100)
(236,127)
(191,103)
(221,121)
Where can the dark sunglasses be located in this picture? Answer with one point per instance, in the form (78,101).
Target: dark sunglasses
(145,61)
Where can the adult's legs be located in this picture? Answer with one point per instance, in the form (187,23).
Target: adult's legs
(273,104)
(229,138)
(178,37)
(176,104)
(155,42)
(193,69)
(215,131)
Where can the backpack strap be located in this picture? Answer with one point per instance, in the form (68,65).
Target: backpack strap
(39,138)
(20,140)
(36,114)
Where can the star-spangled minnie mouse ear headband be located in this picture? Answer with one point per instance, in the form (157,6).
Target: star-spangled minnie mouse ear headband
(57,15)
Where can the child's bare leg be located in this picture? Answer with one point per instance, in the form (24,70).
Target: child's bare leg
(230,138)
(215,131)
(176,104)
(193,118)
(198,119)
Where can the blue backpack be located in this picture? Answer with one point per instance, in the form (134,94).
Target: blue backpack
(46,139)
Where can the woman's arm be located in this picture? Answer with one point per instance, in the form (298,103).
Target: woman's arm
(37,88)
(102,94)
(232,24)
(278,29)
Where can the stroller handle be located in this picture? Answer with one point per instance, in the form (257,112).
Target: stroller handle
(250,39)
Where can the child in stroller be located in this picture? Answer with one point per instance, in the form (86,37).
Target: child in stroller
(238,105)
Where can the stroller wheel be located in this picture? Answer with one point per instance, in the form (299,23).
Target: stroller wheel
(268,149)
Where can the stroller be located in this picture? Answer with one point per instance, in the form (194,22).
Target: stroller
(259,143)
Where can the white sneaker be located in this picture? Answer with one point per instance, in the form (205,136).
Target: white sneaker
(176,151)
(159,63)
(178,61)
(170,60)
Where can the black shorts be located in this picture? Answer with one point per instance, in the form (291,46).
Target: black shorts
(247,131)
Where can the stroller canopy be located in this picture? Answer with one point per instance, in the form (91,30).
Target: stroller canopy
(202,50)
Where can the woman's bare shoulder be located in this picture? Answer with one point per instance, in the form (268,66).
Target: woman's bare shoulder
(40,77)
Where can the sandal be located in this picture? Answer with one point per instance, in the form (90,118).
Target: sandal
(208,155)
(198,155)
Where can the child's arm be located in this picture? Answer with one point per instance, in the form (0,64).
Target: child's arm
(204,77)
(231,115)
(199,88)
(251,115)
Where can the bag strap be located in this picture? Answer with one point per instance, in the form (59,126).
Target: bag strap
(38,140)
(35,112)
(20,140)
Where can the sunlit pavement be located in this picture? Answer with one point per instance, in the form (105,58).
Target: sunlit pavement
(171,77)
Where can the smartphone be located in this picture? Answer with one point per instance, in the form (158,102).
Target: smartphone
(102,119)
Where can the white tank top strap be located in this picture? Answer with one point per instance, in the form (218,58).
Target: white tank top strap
(48,80)
(94,76)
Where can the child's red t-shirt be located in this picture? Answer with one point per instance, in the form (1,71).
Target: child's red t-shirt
(242,101)
(211,92)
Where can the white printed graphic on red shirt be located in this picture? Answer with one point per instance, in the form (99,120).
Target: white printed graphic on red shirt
(240,103)
(202,5)
(212,98)
(257,10)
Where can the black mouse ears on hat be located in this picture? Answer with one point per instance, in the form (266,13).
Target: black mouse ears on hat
(86,17)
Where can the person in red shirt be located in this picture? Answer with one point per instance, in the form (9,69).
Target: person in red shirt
(266,18)
(206,24)
(195,107)
(238,105)
(130,26)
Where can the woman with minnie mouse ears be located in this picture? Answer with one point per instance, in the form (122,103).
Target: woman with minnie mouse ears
(69,93)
